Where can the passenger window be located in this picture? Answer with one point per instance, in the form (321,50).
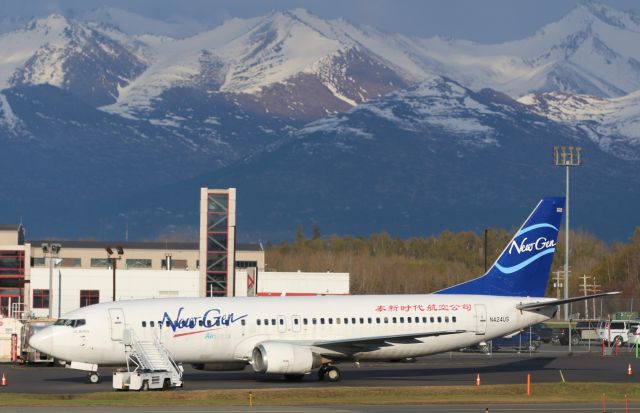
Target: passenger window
(151,324)
(296,321)
(266,321)
(314,321)
(273,321)
(243,321)
(361,320)
(386,320)
(144,324)
(321,320)
(453,319)
(369,320)
(331,320)
(305,321)
(402,319)
(281,321)
(353,320)
(258,321)
(200,323)
(439,319)
(394,320)
(446,319)
(432,320)
(377,320)
(346,320)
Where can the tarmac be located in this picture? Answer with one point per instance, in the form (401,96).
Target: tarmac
(551,364)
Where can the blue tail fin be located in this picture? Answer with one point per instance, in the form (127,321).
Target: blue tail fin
(522,270)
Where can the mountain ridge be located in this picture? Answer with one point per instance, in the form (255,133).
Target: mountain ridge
(313,120)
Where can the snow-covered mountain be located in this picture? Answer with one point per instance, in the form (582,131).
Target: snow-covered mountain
(278,61)
(91,62)
(299,111)
(285,63)
(592,50)
(613,124)
(400,163)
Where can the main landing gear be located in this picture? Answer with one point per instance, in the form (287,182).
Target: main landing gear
(93,377)
(329,373)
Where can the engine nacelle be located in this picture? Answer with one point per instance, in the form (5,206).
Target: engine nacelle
(283,358)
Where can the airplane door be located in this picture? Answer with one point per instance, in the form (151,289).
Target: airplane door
(296,323)
(481,319)
(117,323)
(282,324)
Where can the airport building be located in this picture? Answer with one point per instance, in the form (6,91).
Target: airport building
(47,278)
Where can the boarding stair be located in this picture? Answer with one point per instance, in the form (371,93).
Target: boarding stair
(150,360)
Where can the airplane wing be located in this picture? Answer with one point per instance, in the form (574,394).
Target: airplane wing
(544,304)
(355,345)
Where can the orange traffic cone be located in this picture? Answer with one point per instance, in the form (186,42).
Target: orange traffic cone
(478,379)
(629,372)
(4,379)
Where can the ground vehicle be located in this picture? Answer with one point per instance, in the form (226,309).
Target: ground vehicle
(587,329)
(615,330)
(545,333)
(140,380)
(481,347)
(561,336)
(27,353)
(520,341)
(634,335)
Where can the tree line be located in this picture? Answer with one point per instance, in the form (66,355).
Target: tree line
(383,264)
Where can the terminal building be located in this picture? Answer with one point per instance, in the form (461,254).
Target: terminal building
(47,278)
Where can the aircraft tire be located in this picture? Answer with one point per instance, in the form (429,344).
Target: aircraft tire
(332,374)
(94,377)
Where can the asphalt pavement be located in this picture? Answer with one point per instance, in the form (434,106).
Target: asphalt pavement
(548,365)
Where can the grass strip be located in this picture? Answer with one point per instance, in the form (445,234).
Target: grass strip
(546,392)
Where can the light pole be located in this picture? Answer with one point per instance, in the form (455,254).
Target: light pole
(51,251)
(486,233)
(114,263)
(567,156)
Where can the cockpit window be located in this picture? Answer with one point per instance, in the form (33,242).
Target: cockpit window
(70,323)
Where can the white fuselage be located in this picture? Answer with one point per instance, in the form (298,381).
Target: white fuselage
(223,330)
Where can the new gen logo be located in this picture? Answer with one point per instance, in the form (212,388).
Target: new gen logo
(540,244)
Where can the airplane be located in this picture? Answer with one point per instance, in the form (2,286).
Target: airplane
(293,336)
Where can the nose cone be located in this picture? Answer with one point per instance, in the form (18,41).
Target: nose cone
(42,340)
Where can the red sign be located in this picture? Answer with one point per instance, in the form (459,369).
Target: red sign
(392,308)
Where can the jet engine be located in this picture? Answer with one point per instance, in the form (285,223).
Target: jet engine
(283,358)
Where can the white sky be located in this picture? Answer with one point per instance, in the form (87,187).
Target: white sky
(486,21)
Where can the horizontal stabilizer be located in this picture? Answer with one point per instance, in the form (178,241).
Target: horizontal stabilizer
(545,304)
